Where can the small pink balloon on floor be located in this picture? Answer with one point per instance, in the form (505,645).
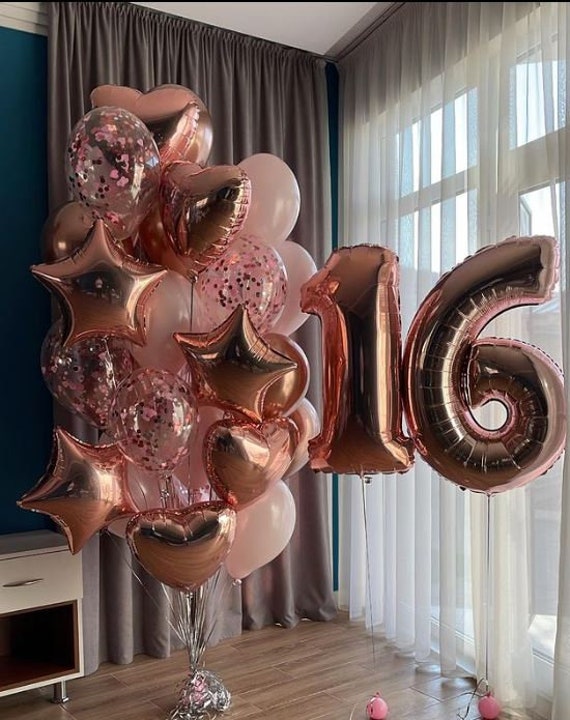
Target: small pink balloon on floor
(377,708)
(489,707)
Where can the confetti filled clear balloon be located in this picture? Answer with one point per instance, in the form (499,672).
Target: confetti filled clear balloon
(152,418)
(249,274)
(85,376)
(113,168)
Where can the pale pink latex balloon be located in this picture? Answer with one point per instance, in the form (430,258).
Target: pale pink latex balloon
(377,708)
(275,198)
(300,267)
(306,420)
(263,531)
(168,310)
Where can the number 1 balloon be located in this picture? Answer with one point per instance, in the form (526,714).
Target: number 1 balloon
(448,371)
(356,298)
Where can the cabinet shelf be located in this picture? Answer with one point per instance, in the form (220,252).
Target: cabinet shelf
(40,614)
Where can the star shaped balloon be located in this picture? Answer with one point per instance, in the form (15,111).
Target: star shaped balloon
(83,490)
(101,289)
(232,366)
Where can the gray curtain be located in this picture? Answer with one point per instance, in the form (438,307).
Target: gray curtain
(262,98)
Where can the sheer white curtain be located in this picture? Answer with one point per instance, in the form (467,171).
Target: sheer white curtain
(454,137)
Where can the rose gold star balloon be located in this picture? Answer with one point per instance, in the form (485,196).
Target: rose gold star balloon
(84,488)
(233,366)
(102,291)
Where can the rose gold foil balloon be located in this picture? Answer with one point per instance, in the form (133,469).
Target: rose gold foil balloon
(202,212)
(232,366)
(449,371)
(286,393)
(113,168)
(183,548)
(101,290)
(65,231)
(152,418)
(177,118)
(85,376)
(83,490)
(244,460)
(356,296)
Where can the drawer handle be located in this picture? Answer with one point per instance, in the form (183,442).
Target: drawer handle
(23,583)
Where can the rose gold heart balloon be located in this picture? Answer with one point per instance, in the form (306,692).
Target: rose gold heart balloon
(177,118)
(202,211)
(183,549)
(244,460)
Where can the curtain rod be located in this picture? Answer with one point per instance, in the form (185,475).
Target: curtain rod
(365,34)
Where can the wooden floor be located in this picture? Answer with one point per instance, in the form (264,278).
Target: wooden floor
(316,670)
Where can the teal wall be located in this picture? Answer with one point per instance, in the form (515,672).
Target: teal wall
(26,420)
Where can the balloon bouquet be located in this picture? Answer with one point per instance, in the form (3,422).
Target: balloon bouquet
(178,291)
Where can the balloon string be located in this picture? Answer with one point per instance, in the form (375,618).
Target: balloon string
(192,286)
(487,588)
(365,481)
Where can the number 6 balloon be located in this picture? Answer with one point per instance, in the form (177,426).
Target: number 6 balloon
(448,371)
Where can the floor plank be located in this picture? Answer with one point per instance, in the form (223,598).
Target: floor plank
(312,672)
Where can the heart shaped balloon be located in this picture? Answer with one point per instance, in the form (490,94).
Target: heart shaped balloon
(244,460)
(183,548)
(177,118)
(202,211)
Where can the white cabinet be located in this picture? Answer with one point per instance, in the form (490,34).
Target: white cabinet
(41,639)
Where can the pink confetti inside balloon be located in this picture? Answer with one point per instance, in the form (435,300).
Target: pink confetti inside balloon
(113,168)
(250,274)
(489,707)
(85,376)
(152,417)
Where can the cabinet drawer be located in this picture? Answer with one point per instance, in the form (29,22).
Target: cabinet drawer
(39,580)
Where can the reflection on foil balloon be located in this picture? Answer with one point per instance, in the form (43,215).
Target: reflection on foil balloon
(152,418)
(85,376)
(249,274)
(356,296)
(232,366)
(202,212)
(448,371)
(83,489)
(183,548)
(244,460)
(285,395)
(113,168)
(101,290)
(177,118)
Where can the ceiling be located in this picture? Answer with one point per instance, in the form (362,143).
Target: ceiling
(323,28)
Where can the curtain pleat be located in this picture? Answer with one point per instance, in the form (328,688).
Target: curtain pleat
(262,98)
